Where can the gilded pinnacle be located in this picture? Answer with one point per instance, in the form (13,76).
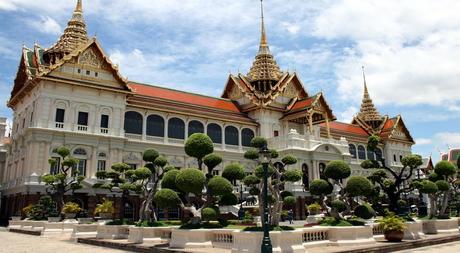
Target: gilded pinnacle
(368,112)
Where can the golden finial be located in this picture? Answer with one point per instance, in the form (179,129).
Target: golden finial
(263,36)
(366,92)
(79,7)
(368,112)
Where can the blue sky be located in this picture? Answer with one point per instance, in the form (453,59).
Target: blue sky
(410,49)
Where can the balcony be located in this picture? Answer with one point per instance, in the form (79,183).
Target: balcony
(104,130)
(59,125)
(82,128)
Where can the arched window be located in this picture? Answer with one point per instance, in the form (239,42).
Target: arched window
(195,126)
(80,167)
(176,128)
(133,122)
(352,149)
(370,154)
(378,154)
(231,135)
(246,137)
(305,175)
(215,133)
(361,153)
(79,151)
(155,126)
(322,167)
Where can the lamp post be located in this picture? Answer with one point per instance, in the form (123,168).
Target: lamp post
(264,158)
(241,211)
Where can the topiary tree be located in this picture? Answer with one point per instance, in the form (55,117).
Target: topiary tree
(167,198)
(277,178)
(447,172)
(393,181)
(198,145)
(66,179)
(430,188)
(364,211)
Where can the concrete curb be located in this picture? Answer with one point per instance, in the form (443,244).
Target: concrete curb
(127,246)
(27,232)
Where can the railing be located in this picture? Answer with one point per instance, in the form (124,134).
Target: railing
(377,229)
(314,235)
(295,140)
(104,131)
(59,125)
(222,238)
(176,141)
(133,136)
(82,128)
(232,147)
(154,138)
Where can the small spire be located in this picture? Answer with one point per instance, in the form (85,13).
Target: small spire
(368,112)
(79,7)
(366,92)
(263,36)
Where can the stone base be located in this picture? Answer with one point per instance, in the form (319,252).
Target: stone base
(191,238)
(439,226)
(413,231)
(355,235)
(112,232)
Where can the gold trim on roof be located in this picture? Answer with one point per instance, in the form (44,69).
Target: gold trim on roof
(368,112)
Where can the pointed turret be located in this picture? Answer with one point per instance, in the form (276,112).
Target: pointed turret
(264,72)
(74,35)
(368,113)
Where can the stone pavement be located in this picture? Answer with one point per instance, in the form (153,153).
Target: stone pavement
(20,243)
(444,248)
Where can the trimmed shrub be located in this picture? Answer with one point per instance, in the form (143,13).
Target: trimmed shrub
(251,180)
(292,175)
(190,180)
(251,154)
(254,191)
(373,142)
(289,159)
(320,187)
(220,186)
(359,186)
(289,201)
(101,174)
(314,208)
(169,179)
(364,211)
(337,170)
(258,142)
(62,151)
(445,168)
(212,160)
(233,171)
(285,194)
(120,167)
(161,161)
(199,145)
(168,168)
(412,161)
(339,205)
(150,155)
(274,153)
(208,214)
(228,200)
(428,187)
(402,203)
(259,171)
(442,185)
(142,173)
(166,198)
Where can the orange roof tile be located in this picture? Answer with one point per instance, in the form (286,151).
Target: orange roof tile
(388,124)
(344,127)
(302,103)
(183,97)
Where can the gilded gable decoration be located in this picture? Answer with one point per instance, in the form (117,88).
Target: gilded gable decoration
(89,57)
(290,91)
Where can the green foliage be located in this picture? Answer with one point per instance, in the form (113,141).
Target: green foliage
(62,151)
(28,209)
(71,207)
(48,179)
(120,167)
(160,161)
(258,142)
(251,154)
(369,164)
(169,179)
(167,198)
(150,155)
(378,175)
(119,222)
(42,210)
(254,191)
(289,160)
(445,168)
(274,154)
(314,208)
(433,177)
(128,173)
(101,174)
(330,221)
(228,200)
(364,211)
(105,207)
(284,194)
(320,187)
(212,160)
(289,201)
(113,174)
(220,186)
(373,142)
(70,162)
(442,185)
(52,162)
(190,180)
(168,168)
(147,223)
(251,180)
(292,175)
(412,161)
(392,223)
(339,205)
(199,145)
(402,203)
(208,214)
(142,173)
(358,186)
(428,187)
(130,187)
(259,171)
(233,171)
(337,169)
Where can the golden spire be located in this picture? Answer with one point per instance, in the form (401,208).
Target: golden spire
(368,112)
(264,72)
(74,35)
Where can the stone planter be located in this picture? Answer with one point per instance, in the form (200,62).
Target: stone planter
(394,236)
(150,234)
(191,238)
(350,235)
(53,229)
(413,231)
(54,219)
(15,224)
(85,220)
(70,215)
(314,219)
(16,218)
(38,225)
(282,242)
(105,216)
(112,232)
(439,226)
(84,231)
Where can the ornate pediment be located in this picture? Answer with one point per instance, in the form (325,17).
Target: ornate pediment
(90,58)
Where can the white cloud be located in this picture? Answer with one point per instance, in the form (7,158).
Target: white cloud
(46,25)
(423,141)
(448,138)
(348,114)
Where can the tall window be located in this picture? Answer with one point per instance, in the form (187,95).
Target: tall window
(59,115)
(54,169)
(80,169)
(101,165)
(378,153)
(361,152)
(82,118)
(246,137)
(195,127)
(305,175)
(155,126)
(231,135)
(133,122)
(104,121)
(322,167)
(352,149)
(176,128)
(215,133)
(370,154)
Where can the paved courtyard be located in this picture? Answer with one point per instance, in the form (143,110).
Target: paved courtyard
(444,248)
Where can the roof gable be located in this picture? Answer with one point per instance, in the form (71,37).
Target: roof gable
(395,129)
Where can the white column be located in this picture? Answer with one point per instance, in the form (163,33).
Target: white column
(223,136)
(144,126)
(166,130)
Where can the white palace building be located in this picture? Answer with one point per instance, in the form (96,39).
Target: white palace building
(71,94)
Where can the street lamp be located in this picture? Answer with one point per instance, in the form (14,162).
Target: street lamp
(264,158)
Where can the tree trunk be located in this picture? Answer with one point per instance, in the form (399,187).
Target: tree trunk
(445,202)
(432,205)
